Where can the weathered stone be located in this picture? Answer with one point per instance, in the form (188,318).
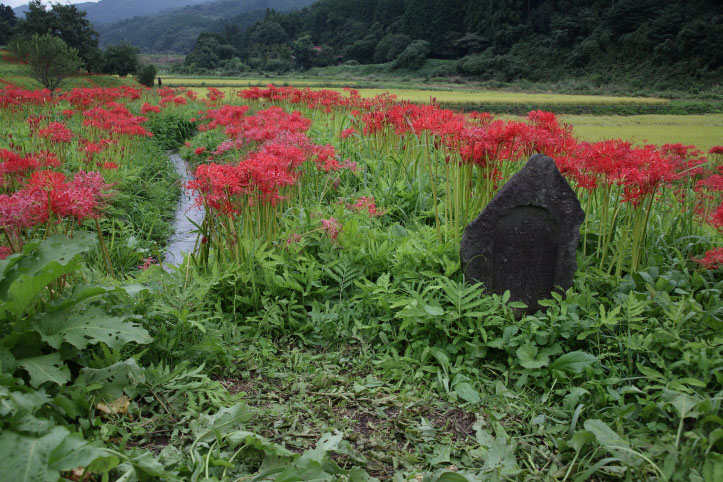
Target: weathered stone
(526,238)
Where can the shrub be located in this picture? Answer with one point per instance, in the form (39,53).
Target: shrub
(147,75)
(277,65)
(413,56)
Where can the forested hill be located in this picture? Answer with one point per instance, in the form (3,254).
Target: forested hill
(503,39)
(110,11)
(176,30)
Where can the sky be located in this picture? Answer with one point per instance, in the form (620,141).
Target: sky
(17,3)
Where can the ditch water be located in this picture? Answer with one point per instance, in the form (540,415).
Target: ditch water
(187,213)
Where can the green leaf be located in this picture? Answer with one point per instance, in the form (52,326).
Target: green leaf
(610,440)
(257,442)
(46,368)
(466,392)
(26,459)
(580,439)
(91,327)
(573,363)
(74,452)
(530,358)
(53,258)
(115,379)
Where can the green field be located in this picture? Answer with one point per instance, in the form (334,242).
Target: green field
(702,131)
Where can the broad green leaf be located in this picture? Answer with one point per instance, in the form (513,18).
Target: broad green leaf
(573,363)
(683,404)
(466,392)
(46,368)
(93,326)
(257,442)
(115,379)
(26,458)
(580,439)
(442,454)
(53,258)
(444,475)
(530,358)
(610,440)
(74,452)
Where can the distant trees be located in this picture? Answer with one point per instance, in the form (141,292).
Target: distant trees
(50,59)
(67,23)
(489,39)
(120,60)
(7,23)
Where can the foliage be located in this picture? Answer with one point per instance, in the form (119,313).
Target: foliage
(413,56)
(120,60)
(67,23)
(323,329)
(7,23)
(51,60)
(147,75)
(533,40)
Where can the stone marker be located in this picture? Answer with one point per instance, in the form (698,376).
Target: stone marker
(526,238)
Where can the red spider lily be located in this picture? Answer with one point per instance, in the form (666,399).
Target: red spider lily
(713,259)
(716,219)
(20,98)
(57,133)
(94,96)
(5,251)
(331,226)
(22,209)
(115,119)
(716,150)
(346,133)
(199,151)
(146,108)
(147,263)
(367,204)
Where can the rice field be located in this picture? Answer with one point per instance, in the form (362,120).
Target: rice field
(702,131)
(445,96)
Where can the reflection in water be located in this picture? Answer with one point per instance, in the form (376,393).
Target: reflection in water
(184,232)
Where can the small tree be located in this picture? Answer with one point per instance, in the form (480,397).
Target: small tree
(50,59)
(147,75)
(120,59)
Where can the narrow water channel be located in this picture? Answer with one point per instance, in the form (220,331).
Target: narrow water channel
(187,213)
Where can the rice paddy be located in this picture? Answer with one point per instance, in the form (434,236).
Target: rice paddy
(463,96)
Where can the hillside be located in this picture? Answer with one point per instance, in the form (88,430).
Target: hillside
(111,11)
(643,42)
(176,30)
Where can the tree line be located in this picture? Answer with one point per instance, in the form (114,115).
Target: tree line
(664,42)
(59,41)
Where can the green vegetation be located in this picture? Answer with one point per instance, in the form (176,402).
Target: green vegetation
(120,60)
(147,75)
(627,43)
(50,59)
(66,22)
(176,30)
